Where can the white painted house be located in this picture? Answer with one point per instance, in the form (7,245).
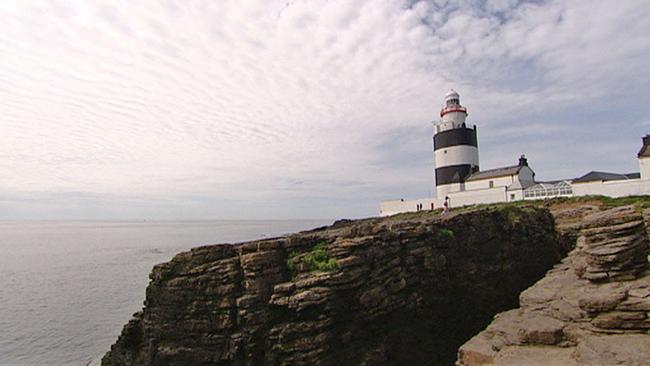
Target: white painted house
(644,158)
(459,178)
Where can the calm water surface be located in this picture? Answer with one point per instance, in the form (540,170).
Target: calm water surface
(67,288)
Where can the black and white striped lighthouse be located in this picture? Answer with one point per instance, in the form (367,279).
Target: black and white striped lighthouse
(455,147)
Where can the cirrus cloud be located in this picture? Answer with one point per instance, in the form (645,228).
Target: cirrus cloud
(257,109)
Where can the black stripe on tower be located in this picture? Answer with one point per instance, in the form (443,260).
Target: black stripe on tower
(453,173)
(455,137)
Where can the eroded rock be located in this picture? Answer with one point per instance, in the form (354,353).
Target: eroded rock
(591,309)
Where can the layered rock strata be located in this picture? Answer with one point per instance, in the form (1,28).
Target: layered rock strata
(592,309)
(613,246)
(404,291)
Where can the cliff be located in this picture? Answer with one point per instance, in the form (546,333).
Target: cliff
(591,309)
(405,290)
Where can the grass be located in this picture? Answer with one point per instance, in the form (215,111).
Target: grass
(315,260)
(445,234)
(606,202)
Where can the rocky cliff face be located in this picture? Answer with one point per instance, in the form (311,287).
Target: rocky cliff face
(592,309)
(400,291)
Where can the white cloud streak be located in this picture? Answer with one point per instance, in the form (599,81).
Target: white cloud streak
(296,106)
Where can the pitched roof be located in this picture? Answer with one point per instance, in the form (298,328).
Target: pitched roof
(645,151)
(520,185)
(494,173)
(603,176)
(554,182)
(551,184)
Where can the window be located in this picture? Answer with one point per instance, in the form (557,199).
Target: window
(512,197)
(491,183)
(451,102)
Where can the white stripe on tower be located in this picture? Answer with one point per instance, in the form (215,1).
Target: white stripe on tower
(456,155)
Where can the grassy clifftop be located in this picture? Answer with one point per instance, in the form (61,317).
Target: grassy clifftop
(601,202)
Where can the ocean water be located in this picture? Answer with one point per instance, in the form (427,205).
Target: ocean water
(68,287)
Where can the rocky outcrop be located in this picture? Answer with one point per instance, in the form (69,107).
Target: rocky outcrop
(569,220)
(404,290)
(592,309)
(613,246)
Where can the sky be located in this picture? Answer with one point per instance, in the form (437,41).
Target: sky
(302,109)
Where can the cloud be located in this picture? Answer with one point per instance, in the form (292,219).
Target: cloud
(307,108)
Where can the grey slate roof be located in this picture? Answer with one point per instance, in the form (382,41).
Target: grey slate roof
(553,182)
(494,173)
(604,176)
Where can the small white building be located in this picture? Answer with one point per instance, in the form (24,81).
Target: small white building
(600,183)
(458,177)
(644,159)
(495,185)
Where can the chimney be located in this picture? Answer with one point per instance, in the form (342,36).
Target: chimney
(524,162)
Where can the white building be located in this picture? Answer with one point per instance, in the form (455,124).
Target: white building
(458,177)
(601,183)
(644,159)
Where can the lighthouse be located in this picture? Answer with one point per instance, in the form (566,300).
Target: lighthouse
(455,147)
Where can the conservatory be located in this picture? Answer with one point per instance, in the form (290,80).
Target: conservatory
(542,190)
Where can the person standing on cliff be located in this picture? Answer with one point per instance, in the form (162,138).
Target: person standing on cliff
(445,206)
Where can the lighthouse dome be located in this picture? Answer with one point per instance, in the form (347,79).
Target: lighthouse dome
(452,94)
(452,98)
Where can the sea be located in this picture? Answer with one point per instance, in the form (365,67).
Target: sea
(68,287)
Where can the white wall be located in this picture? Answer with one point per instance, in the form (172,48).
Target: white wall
(458,199)
(501,194)
(444,189)
(485,183)
(457,118)
(617,188)
(490,195)
(525,175)
(518,195)
(644,166)
(393,207)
